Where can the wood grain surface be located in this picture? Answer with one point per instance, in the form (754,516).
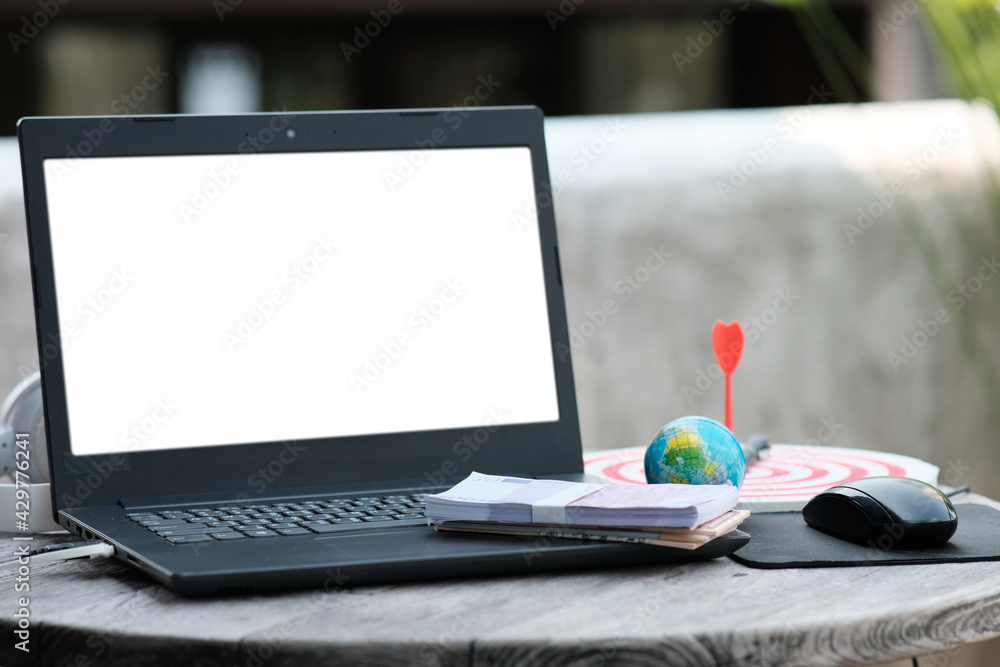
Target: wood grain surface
(715,613)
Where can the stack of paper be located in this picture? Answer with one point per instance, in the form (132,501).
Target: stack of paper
(679,538)
(513,500)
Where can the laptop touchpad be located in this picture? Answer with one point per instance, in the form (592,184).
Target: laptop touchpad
(417,541)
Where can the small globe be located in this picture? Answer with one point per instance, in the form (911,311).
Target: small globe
(695,450)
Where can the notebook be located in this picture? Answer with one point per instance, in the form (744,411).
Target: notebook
(264,337)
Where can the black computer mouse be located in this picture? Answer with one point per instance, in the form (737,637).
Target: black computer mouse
(884,513)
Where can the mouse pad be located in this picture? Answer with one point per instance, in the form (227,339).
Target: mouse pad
(782,539)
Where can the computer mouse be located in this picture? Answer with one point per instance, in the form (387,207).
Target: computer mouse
(884,513)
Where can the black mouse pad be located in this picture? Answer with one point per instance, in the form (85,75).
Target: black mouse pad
(782,539)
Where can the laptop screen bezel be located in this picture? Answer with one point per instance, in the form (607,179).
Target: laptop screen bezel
(426,459)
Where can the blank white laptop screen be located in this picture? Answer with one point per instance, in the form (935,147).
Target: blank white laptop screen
(229,299)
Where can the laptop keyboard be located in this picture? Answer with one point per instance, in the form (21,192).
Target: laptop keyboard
(311,517)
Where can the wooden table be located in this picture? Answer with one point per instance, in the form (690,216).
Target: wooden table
(715,613)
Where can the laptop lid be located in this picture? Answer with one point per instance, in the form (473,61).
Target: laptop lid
(262,305)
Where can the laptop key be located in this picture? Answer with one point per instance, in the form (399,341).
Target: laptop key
(195,530)
(285,518)
(335,527)
(259,533)
(410,521)
(187,539)
(163,522)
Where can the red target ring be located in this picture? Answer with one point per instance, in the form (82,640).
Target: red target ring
(783,475)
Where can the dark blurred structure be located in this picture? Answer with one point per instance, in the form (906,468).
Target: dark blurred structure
(569,57)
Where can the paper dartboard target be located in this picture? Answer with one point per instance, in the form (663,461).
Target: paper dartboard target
(786,475)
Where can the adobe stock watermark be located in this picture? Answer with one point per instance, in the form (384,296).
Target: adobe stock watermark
(99,642)
(967,291)
(562,13)
(268,474)
(585,155)
(752,331)
(410,162)
(123,105)
(220,179)
(940,659)
(100,470)
(464,449)
(650,606)
(260,480)
(964,292)
(956,472)
(144,429)
(266,644)
(795,118)
(914,168)
(223,7)
(89,309)
(31,25)
(828,429)
(364,34)
(900,15)
(293,278)
(802,454)
(706,38)
(626,288)
(419,321)
(787,125)
(431,653)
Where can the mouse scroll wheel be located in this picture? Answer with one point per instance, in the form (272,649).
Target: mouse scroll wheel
(872,507)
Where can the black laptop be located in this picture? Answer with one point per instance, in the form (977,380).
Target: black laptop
(264,338)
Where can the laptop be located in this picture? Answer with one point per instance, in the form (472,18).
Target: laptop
(264,338)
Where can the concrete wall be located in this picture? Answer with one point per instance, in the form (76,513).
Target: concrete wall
(823,297)
(822,305)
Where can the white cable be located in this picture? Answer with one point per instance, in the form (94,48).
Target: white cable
(63,551)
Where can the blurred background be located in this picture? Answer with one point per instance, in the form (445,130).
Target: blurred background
(569,57)
(698,87)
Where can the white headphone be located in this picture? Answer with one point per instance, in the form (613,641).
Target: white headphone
(22,414)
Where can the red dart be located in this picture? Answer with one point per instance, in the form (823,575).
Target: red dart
(727,342)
